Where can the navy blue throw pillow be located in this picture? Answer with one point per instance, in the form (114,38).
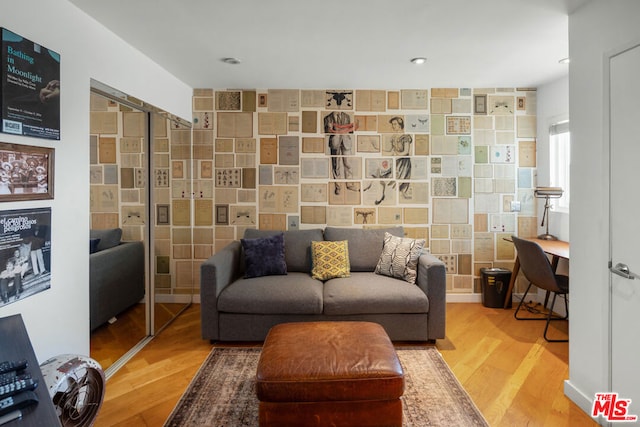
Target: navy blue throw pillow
(264,256)
(93,245)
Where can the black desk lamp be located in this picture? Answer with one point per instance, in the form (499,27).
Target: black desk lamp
(547,193)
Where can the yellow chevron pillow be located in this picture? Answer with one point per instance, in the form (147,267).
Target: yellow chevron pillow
(330,259)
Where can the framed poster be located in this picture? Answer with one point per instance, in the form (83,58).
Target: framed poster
(262,100)
(162,214)
(480,104)
(30,88)
(26,172)
(25,255)
(457,125)
(222,214)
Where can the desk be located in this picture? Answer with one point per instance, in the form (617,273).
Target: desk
(17,346)
(556,248)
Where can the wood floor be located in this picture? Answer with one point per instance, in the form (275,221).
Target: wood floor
(111,341)
(514,376)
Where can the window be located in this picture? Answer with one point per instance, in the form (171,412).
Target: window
(560,163)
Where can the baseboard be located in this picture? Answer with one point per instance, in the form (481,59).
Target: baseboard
(175,299)
(583,401)
(464,298)
(472,297)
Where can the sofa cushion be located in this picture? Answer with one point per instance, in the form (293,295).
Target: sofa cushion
(295,293)
(329,259)
(368,293)
(108,238)
(264,256)
(399,257)
(365,245)
(297,246)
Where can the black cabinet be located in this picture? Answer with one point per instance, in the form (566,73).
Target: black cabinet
(15,345)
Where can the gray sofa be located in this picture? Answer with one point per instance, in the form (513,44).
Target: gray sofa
(234,308)
(116,275)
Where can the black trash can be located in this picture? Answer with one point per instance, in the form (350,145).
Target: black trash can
(495,283)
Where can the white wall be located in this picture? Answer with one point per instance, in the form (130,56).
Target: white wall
(553,107)
(597,28)
(57,320)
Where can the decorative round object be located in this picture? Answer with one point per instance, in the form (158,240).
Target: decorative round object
(76,386)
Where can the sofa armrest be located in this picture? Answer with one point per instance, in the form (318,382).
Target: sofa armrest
(216,273)
(432,279)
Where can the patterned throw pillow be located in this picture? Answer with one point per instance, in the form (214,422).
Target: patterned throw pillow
(399,257)
(330,259)
(264,256)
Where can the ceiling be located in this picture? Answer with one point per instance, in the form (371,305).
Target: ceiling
(350,44)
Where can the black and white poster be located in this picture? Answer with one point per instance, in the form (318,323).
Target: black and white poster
(25,253)
(30,88)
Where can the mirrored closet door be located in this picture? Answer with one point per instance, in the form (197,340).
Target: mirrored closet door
(140,169)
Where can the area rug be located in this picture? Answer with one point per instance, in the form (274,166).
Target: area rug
(222,394)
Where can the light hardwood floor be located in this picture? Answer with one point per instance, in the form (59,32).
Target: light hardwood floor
(514,376)
(109,342)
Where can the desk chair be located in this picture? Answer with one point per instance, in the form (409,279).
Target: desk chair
(537,269)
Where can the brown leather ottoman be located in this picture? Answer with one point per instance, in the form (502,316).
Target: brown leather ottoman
(329,374)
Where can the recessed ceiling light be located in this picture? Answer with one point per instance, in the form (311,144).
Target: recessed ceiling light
(564,61)
(419,60)
(233,61)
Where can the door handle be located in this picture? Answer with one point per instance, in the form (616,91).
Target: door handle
(623,270)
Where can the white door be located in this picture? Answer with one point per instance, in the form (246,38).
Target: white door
(624,172)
